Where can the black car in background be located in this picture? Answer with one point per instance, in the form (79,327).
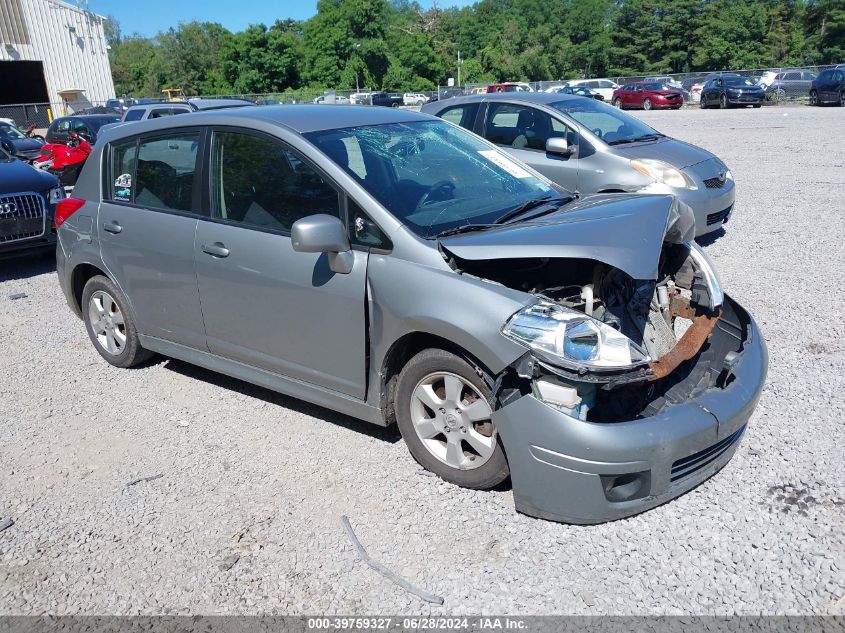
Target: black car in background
(829,87)
(18,144)
(28,198)
(86,125)
(386,100)
(725,91)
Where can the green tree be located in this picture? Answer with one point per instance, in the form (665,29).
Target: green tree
(261,60)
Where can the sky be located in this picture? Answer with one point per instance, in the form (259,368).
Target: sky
(148,17)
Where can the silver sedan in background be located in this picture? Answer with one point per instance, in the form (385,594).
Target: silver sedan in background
(589,147)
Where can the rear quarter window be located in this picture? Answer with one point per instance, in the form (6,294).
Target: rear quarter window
(121,172)
(463,115)
(134,115)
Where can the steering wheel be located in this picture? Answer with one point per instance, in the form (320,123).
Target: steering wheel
(441,190)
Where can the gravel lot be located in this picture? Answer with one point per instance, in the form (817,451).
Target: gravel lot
(246,515)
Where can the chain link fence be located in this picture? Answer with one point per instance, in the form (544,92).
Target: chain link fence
(782,85)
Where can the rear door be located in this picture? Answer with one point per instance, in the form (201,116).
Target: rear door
(147,224)
(264,304)
(522,131)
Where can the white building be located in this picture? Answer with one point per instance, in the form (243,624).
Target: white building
(52,52)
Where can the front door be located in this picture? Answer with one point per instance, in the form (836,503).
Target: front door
(263,303)
(522,131)
(146,226)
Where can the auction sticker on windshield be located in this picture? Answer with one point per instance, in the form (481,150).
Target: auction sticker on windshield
(502,161)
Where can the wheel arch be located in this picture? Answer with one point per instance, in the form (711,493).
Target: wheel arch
(404,349)
(78,278)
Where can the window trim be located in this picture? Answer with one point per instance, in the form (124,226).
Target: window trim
(196,197)
(207,188)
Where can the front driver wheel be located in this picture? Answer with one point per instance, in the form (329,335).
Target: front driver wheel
(444,411)
(647,104)
(617,103)
(842,99)
(723,102)
(814,98)
(109,324)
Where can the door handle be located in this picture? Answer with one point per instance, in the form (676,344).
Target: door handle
(112,227)
(215,250)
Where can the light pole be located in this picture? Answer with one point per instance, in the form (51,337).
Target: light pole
(460,61)
(357,89)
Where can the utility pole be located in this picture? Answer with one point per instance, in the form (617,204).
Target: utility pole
(460,61)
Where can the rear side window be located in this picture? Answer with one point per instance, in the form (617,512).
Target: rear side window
(134,115)
(261,183)
(122,172)
(463,115)
(164,175)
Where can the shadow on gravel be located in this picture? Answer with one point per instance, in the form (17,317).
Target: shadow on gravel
(27,265)
(710,238)
(389,434)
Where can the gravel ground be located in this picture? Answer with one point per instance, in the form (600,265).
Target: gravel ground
(246,515)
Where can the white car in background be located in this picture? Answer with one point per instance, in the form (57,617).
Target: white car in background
(767,78)
(604,87)
(414,99)
(324,99)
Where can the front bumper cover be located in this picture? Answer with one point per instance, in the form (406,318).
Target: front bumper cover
(573,471)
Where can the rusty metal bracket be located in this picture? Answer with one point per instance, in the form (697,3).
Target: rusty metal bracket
(690,343)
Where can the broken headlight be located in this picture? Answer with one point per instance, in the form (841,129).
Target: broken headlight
(572,339)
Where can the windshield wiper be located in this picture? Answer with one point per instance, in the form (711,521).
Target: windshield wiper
(532,204)
(463,228)
(637,139)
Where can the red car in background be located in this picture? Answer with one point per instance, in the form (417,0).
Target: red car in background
(647,96)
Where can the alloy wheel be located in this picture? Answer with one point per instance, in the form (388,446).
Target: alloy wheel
(842,99)
(647,104)
(723,102)
(814,98)
(453,420)
(107,322)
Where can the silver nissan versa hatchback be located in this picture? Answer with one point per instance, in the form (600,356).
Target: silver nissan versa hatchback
(397,268)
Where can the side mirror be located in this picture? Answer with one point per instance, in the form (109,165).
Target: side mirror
(558,145)
(323,233)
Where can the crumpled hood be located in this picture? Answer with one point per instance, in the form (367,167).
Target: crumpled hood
(669,150)
(625,231)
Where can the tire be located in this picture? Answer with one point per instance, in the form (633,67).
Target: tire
(814,98)
(842,99)
(647,104)
(617,103)
(723,102)
(758,105)
(702,104)
(421,396)
(394,105)
(116,339)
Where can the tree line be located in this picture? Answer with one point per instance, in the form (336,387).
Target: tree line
(398,45)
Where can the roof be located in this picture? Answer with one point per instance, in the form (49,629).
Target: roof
(531,97)
(312,117)
(299,118)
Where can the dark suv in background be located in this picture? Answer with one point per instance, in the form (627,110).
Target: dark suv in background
(828,87)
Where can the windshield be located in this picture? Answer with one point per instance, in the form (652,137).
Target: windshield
(7,131)
(610,124)
(738,81)
(431,175)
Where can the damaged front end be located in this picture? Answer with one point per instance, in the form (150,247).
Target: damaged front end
(639,373)
(607,347)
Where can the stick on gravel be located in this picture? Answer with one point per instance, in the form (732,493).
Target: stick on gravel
(5,525)
(140,479)
(428,597)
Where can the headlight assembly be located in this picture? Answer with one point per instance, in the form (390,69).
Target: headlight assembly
(663,172)
(572,339)
(56,194)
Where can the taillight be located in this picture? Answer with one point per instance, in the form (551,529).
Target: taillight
(66,208)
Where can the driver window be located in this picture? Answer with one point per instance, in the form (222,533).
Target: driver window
(363,231)
(261,183)
(164,176)
(521,127)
